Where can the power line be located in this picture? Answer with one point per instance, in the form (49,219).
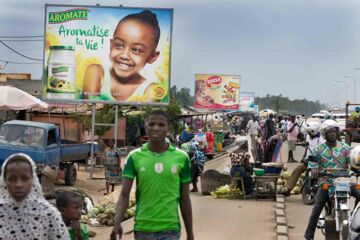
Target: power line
(11,62)
(22,40)
(19,53)
(21,36)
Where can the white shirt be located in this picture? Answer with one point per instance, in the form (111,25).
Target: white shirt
(253,127)
(313,142)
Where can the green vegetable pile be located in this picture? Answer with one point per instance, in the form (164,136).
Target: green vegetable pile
(104,214)
(282,182)
(227,192)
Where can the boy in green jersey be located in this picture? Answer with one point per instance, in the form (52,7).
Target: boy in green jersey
(162,175)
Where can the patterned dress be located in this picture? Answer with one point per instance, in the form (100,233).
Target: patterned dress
(112,166)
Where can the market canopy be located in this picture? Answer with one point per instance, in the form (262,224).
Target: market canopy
(12,98)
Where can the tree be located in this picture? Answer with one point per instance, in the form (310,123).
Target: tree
(182,96)
(297,106)
(174,112)
(104,115)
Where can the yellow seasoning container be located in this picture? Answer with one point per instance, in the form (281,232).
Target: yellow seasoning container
(61,70)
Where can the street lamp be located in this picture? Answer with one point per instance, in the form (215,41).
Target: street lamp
(346,86)
(337,91)
(353,78)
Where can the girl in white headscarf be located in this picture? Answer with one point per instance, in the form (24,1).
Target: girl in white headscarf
(24,212)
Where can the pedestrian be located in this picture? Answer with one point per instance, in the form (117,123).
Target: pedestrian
(162,174)
(269,127)
(313,139)
(283,125)
(293,131)
(24,212)
(70,205)
(112,162)
(197,165)
(253,128)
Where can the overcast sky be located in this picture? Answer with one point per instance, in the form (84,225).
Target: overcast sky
(295,48)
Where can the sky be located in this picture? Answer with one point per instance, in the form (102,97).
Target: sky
(300,49)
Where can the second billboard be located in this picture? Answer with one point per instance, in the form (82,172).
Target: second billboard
(217,91)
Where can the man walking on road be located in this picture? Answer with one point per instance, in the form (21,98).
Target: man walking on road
(292,138)
(253,127)
(162,175)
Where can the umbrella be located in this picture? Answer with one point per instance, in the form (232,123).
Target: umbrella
(12,98)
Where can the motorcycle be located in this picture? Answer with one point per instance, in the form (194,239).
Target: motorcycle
(355,217)
(355,224)
(309,189)
(309,186)
(336,222)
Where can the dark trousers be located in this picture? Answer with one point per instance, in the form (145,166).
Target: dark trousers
(322,197)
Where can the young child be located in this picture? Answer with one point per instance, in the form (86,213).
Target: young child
(24,212)
(70,206)
(133,45)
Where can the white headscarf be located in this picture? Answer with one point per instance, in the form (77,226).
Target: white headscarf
(31,218)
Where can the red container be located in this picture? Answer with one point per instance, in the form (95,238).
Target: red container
(210,142)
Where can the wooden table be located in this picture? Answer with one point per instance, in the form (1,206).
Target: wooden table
(265,179)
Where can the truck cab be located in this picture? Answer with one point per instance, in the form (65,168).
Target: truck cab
(38,140)
(42,142)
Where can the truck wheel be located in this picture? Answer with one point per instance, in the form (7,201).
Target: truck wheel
(70,175)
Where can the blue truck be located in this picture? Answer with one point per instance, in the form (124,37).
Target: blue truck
(42,142)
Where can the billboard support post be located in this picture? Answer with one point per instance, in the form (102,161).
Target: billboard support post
(93,111)
(116,124)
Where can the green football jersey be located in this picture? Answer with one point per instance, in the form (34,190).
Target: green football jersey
(158,184)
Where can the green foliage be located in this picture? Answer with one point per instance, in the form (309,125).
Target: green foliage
(284,104)
(182,96)
(104,115)
(174,111)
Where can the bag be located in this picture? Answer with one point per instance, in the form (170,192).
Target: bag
(300,136)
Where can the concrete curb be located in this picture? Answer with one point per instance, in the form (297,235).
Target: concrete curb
(280,218)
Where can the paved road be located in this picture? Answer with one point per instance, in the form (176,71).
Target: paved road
(229,219)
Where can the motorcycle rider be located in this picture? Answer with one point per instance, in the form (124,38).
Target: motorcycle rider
(355,219)
(331,154)
(313,138)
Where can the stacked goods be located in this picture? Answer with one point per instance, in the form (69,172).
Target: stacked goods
(282,182)
(221,192)
(103,215)
(227,192)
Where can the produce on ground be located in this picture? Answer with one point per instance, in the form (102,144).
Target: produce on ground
(227,192)
(282,182)
(103,215)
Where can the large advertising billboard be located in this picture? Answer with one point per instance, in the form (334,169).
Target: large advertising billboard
(217,91)
(247,101)
(107,54)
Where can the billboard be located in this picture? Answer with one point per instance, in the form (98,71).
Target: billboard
(247,101)
(107,54)
(217,91)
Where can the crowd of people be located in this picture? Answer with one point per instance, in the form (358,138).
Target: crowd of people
(163,175)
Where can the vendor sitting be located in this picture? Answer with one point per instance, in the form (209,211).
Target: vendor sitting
(240,164)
